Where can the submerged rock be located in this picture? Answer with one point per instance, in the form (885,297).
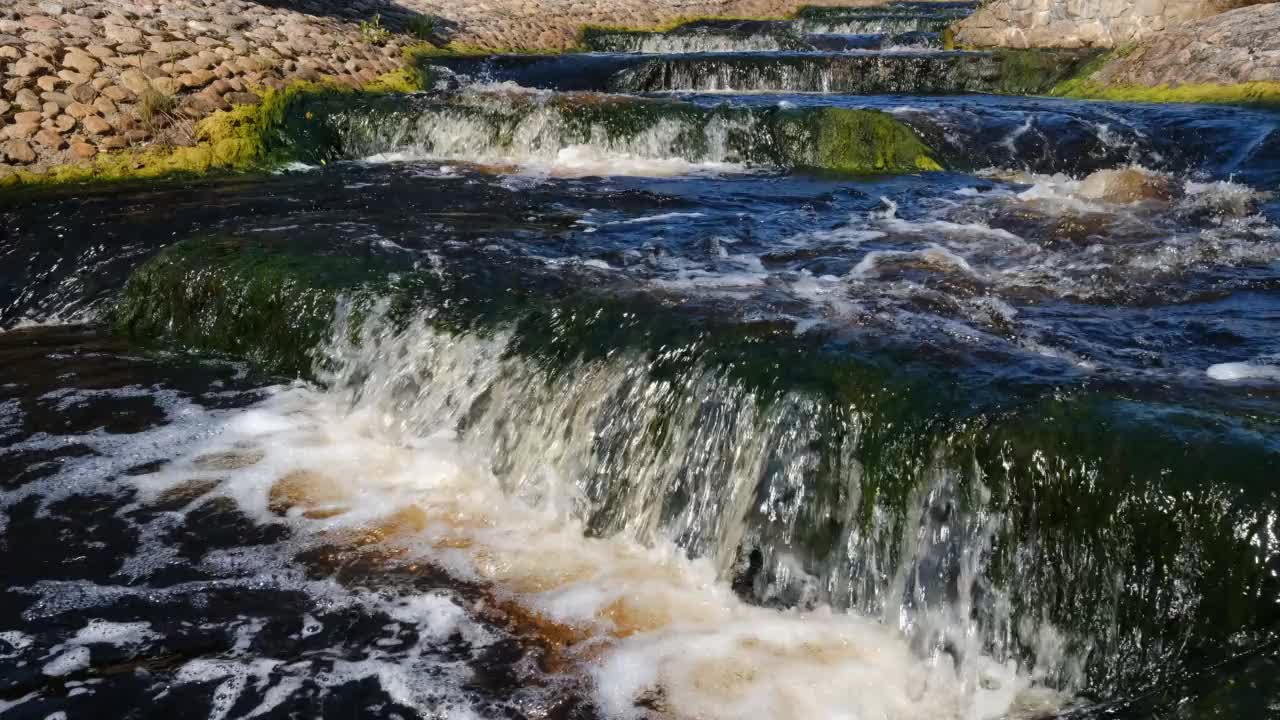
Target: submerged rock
(1127,185)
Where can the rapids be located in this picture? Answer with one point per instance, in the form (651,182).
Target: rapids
(750,369)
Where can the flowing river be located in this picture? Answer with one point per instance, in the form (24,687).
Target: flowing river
(613,385)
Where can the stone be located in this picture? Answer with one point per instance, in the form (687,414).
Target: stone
(14,84)
(198,62)
(50,109)
(63,100)
(121,121)
(9,52)
(208,100)
(105,106)
(198,106)
(1126,185)
(95,125)
(175,49)
(31,66)
(117,93)
(4,107)
(41,50)
(196,79)
(113,142)
(83,93)
(135,81)
(64,123)
(220,87)
(230,22)
(83,150)
(74,78)
(50,139)
(101,52)
(18,151)
(49,83)
(42,22)
(28,118)
(241,98)
(81,62)
(80,111)
(123,34)
(19,131)
(27,100)
(165,85)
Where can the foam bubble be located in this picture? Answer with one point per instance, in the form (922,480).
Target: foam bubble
(71,660)
(1231,371)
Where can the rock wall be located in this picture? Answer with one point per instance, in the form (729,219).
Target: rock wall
(1081,23)
(1240,46)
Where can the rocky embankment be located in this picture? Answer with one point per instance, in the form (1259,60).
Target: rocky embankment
(1174,50)
(1081,23)
(1240,46)
(81,77)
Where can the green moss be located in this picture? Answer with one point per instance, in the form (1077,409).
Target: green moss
(949,38)
(1035,72)
(1082,85)
(229,296)
(1254,93)
(862,141)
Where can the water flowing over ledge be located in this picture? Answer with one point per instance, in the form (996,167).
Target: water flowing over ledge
(833,482)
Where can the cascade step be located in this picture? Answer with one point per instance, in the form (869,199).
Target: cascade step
(1016,72)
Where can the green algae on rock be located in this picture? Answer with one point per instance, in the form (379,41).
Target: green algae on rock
(1088,83)
(858,141)
(238,298)
(503,128)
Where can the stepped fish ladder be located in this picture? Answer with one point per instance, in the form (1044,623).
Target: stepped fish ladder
(577,387)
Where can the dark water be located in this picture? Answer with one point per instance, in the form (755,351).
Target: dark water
(514,408)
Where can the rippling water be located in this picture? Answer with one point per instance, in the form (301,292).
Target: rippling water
(526,403)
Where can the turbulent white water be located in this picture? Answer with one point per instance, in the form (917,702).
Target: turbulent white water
(701,42)
(652,626)
(505,128)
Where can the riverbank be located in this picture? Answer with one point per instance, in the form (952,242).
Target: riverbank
(95,89)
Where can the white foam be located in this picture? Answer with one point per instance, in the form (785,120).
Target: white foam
(68,661)
(654,623)
(17,642)
(663,217)
(111,633)
(1231,371)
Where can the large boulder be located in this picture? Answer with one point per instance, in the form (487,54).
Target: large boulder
(1233,48)
(1081,23)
